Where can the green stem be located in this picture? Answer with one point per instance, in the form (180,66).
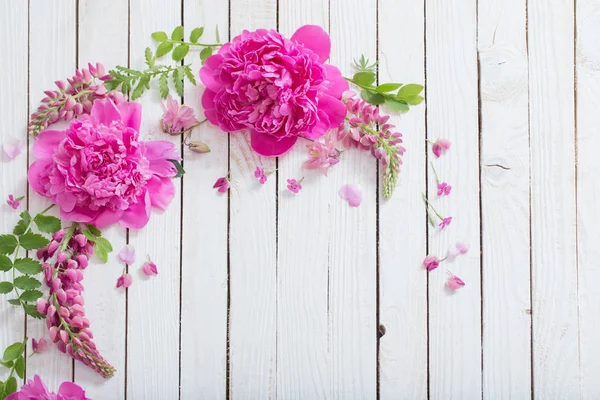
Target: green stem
(437,178)
(194,44)
(428,204)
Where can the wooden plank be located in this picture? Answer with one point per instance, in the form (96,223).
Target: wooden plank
(153,303)
(352,245)
(105,40)
(13,103)
(452,113)
(253,263)
(402,227)
(50,23)
(553,201)
(303,357)
(588,192)
(204,254)
(505,199)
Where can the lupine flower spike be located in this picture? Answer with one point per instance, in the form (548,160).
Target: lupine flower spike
(431,212)
(294,186)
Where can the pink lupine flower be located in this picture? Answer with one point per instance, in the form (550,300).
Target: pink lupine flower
(431,263)
(440,146)
(124,281)
(294,186)
(322,155)
(278,88)
(454,282)
(35,389)
(443,189)
(222,185)
(259,173)
(458,249)
(149,268)
(14,203)
(12,149)
(127,254)
(39,346)
(445,222)
(176,118)
(98,170)
(352,194)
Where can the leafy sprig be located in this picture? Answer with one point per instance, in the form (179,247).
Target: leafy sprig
(13,359)
(102,246)
(179,47)
(397,96)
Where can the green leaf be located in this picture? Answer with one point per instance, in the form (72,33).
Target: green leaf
(388,87)
(6,287)
(5,263)
(102,248)
(372,97)
(2,395)
(164,48)
(13,351)
(150,60)
(189,74)
(142,85)
(102,254)
(217,34)
(33,241)
(95,231)
(178,81)
(163,85)
(196,34)
(105,244)
(177,34)
(178,168)
(25,216)
(20,228)
(397,105)
(160,36)
(27,282)
(47,223)
(180,52)
(88,235)
(30,295)
(409,91)
(364,78)
(8,244)
(28,266)
(10,386)
(31,310)
(20,367)
(205,53)
(415,101)
(15,302)
(7,364)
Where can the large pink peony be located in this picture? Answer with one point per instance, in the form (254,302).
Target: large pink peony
(35,389)
(99,172)
(278,88)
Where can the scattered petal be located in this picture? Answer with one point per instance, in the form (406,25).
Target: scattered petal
(149,268)
(39,346)
(445,222)
(352,194)
(12,148)
(443,189)
(127,254)
(259,173)
(454,282)
(124,281)
(440,146)
(431,263)
(14,203)
(222,185)
(294,186)
(458,249)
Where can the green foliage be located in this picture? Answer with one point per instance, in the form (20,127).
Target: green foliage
(47,223)
(205,53)
(33,241)
(13,359)
(8,244)
(128,78)
(28,266)
(5,263)
(6,287)
(363,64)
(102,246)
(178,168)
(196,34)
(27,283)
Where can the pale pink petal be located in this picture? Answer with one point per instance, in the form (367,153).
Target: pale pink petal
(127,254)
(69,390)
(352,194)
(12,148)
(338,85)
(454,282)
(314,38)
(137,215)
(162,191)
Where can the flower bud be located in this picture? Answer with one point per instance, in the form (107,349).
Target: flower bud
(199,147)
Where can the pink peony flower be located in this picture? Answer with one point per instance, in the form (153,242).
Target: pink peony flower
(39,346)
(443,189)
(259,173)
(323,155)
(35,389)
(149,268)
(127,254)
(176,118)
(454,282)
(431,263)
(222,185)
(294,186)
(124,281)
(99,172)
(352,194)
(278,88)
(440,146)
(445,222)
(14,203)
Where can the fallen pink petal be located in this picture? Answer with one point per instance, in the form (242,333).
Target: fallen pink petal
(127,254)
(259,173)
(458,249)
(352,194)
(124,281)
(12,148)
(222,185)
(14,203)
(445,222)
(454,282)
(294,186)
(431,263)
(149,268)
(440,146)
(39,346)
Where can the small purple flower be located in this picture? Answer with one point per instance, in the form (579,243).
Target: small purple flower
(443,189)
(14,203)
(445,222)
(294,186)
(259,173)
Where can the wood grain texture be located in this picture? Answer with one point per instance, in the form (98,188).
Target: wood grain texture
(353,252)
(452,113)
(107,41)
(505,199)
(553,201)
(13,113)
(253,246)
(402,225)
(204,254)
(52,56)
(588,192)
(153,303)
(303,357)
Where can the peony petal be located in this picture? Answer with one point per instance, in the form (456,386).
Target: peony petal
(160,150)
(338,84)
(314,38)
(266,145)
(162,167)
(352,194)
(335,109)
(71,390)
(107,218)
(207,72)
(161,190)
(105,112)
(66,201)
(131,114)
(127,254)
(137,215)
(208,104)
(46,143)
(79,214)
(38,169)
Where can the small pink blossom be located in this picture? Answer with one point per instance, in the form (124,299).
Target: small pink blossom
(322,155)
(12,149)
(35,389)
(443,189)
(149,268)
(222,185)
(431,263)
(176,118)
(352,194)
(458,249)
(445,222)
(124,281)
(454,282)
(440,146)
(14,203)
(259,173)
(39,346)
(127,254)
(294,186)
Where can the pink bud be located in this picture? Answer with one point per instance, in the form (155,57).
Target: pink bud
(60,294)
(61,85)
(78,300)
(454,282)
(124,281)
(80,239)
(42,306)
(70,104)
(64,312)
(149,268)
(61,346)
(61,257)
(92,69)
(64,336)
(100,70)
(53,332)
(51,311)
(81,260)
(78,109)
(70,349)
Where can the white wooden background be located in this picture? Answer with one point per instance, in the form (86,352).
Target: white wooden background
(266,295)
